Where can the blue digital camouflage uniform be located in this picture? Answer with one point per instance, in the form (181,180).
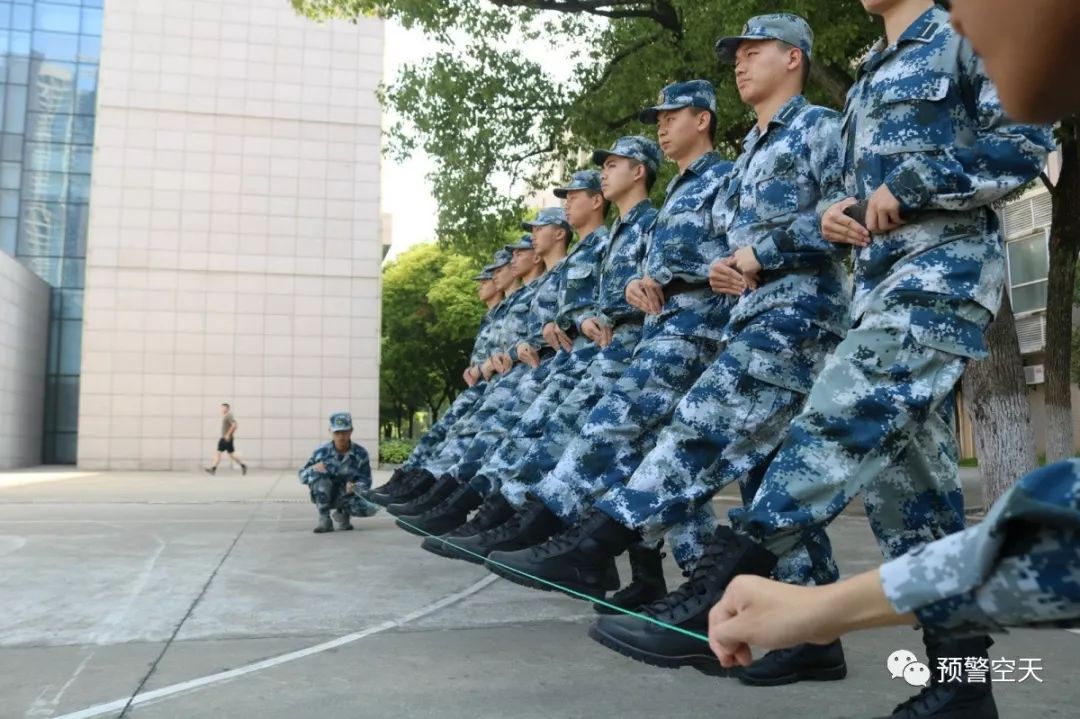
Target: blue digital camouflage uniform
(466,401)
(328,485)
(677,345)
(498,450)
(485,427)
(546,429)
(1019,567)
(923,119)
(737,413)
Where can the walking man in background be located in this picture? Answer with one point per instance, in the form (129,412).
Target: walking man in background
(225,444)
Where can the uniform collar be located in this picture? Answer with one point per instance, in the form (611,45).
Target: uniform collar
(923,30)
(697,167)
(783,116)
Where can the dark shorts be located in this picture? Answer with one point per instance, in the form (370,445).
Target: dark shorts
(225,445)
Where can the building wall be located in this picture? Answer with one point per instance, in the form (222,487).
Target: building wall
(233,250)
(24,328)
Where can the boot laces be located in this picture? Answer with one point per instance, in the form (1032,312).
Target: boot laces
(698,583)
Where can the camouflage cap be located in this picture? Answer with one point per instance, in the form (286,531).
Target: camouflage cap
(484,274)
(783,26)
(677,95)
(502,258)
(581,180)
(548,216)
(635,147)
(525,243)
(340,421)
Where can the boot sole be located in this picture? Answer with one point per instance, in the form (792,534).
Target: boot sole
(705,665)
(524,581)
(826,674)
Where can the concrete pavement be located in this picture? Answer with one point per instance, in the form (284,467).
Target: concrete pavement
(183,595)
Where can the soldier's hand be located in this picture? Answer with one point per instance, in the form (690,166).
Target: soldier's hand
(549,335)
(747,263)
(350,487)
(609,335)
(320,467)
(654,292)
(592,329)
(841,229)
(635,295)
(487,369)
(883,211)
(724,279)
(471,376)
(528,354)
(563,339)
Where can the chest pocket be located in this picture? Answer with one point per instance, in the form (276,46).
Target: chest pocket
(579,272)
(914,116)
(776,196)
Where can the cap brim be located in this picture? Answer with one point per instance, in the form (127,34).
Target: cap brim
(650,114)
(561,192)
(528,226)
(726,47)
(599,157)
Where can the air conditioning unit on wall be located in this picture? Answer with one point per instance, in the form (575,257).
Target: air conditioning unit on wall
(1034,374)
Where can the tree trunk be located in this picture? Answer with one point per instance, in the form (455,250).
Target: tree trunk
(1064,245)
(997,401)
(412,423)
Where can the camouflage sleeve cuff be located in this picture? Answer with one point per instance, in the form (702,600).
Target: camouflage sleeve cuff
(939,582)
(767,253)
(907,184)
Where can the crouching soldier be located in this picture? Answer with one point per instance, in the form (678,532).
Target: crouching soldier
(336,475)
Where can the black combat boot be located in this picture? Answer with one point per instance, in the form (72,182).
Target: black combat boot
(814,662)
(647,583)
(581,558)
(324,525)
(444,516)
(958,699)
(531,525)
(397,480)
(727,555)
(493,512)
(415,483)
(439,491)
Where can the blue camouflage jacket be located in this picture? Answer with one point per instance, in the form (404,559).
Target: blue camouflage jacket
(771,205)
(623,263)
(353,466)
(580,285)
(682,244)
(516,323)
(542,304)
(484,345)
(924,119)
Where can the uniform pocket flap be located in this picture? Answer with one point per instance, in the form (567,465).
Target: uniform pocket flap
(948,333)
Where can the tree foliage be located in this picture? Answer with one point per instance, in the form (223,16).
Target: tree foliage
(498,123)
(429,318)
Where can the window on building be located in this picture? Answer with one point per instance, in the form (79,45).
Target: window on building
(1029,263)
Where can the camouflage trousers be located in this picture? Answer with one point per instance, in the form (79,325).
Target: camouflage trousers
(1018,567)
(879,420)
(500,392)
(434,438)
(726,429)
(487,426)
(623,427)
(536,442)
(501,444)
(328,494)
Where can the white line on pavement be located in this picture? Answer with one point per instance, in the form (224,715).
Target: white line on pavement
(200,682)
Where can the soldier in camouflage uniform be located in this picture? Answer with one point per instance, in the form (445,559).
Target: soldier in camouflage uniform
(1016,568)
(406,477)
(498,450)
(680,336)
(525,366)
(791,312)
(926,142)
(336,475)
(502,440)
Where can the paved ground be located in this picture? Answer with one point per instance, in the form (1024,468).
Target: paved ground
(147,587)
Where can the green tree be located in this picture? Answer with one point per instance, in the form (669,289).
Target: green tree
(429,319)
(491,117)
